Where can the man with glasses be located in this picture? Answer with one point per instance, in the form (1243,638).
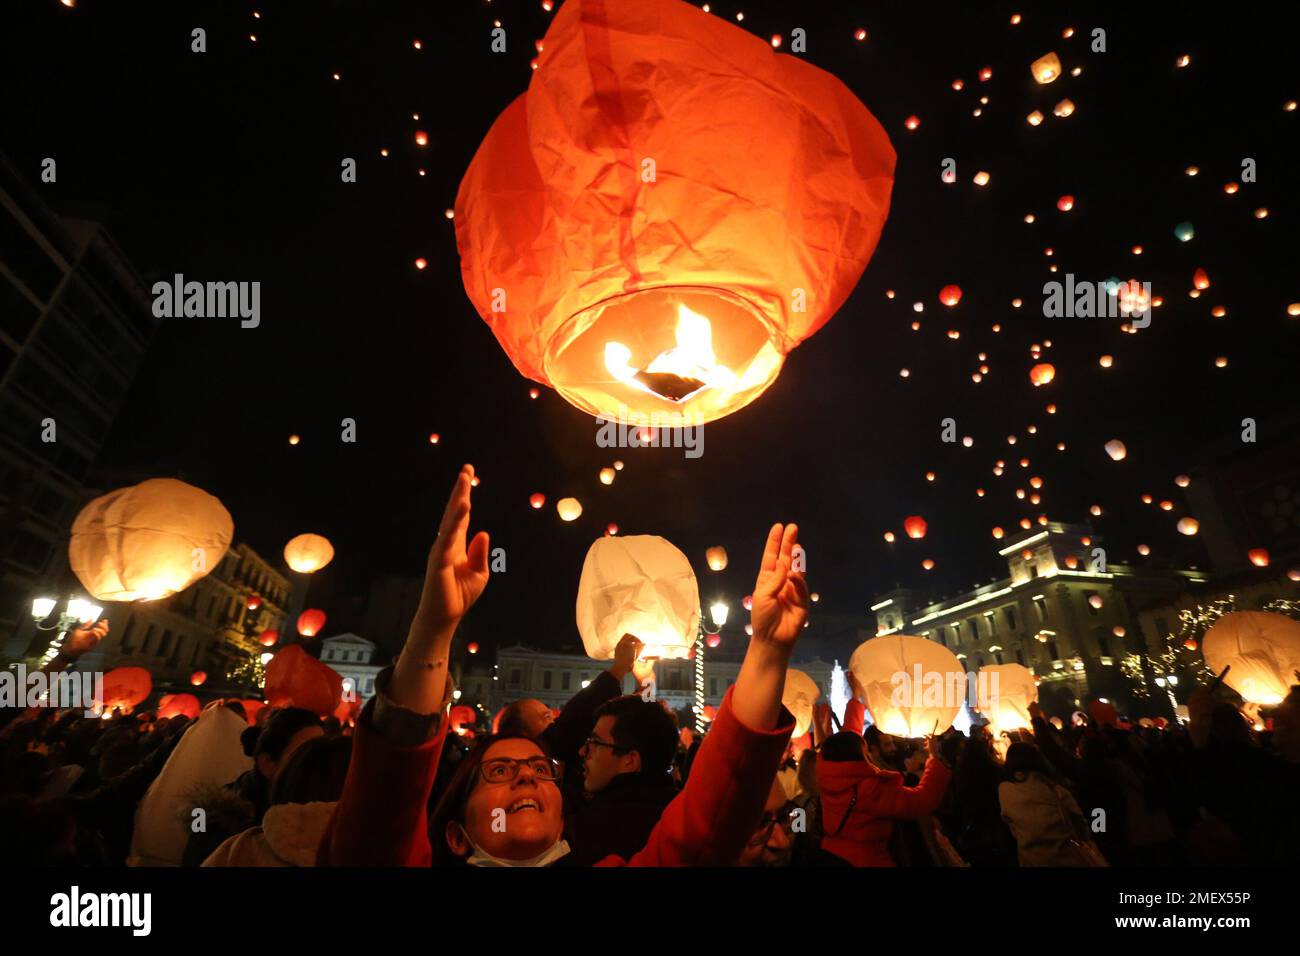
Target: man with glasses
(627,780)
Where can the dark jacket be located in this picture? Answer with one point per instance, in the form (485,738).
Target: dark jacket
(568,732)
(616,820)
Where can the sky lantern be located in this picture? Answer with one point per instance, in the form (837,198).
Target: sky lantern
(421,138)
(1046,68)
(1144,549)
(1095,602)
(1188,526)
(1063,108)
(462,717)
(124,687)
(640,585)
(607,476)
(537,500)
(569,509)
(928,564)
(1263,649)
(1200,279)
(472,647)
(310,622)
(950,295)
(798,697)
(148,541)
(1116,449)
(254,602)
(906,709)
(998,533)
(1184,231)
(716,557)
(1004,693)
(434,438)
(889,537)
(611,528)
(1065,203)
(915,526)
(269,637)
(1042,373)
(1258,557)
(296,679)
(912,122)
(178,705)
(199,678)
(648,295)
(713,640)
(308,552)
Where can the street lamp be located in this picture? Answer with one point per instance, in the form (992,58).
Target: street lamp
(77,611)
(718,610)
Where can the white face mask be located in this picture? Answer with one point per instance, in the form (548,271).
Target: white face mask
(481,857)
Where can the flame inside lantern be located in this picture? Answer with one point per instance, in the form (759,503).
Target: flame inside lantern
(678,373)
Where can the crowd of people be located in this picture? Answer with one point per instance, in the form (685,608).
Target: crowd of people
(613,780)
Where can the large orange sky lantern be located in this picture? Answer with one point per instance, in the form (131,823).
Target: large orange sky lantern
(668,211)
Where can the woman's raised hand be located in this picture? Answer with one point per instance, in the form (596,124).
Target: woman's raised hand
(781,592)
(456,574)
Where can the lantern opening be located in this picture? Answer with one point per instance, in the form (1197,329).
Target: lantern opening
(670,357)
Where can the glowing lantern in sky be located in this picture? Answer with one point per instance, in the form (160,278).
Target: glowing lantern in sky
(269,637)
(1004,693)
(1063,108)
(296,679)
(1095,601)
(1258,557)
(308,552)
(1184,231)
(537,500)
(929,697)
(928,564)
(640,585)
(125,687)
(915,526)
(1144,550)
(747,602)
(254,603)
(462,717)
(1115,448)
(1042,373)
(1065,203)
(569,509)
(198,678)
(178,705)
(713,640)
(717,558)
(472,647)
(950,295)
(1046,68)
(1200,279)
(607,476)
(1263,649)
(667,289)
(1188,526)
(310,622)
(148,541)
(889,537)
(998,533)
(799,695)
(611,528)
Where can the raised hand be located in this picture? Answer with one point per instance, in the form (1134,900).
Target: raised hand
(643,669)
(82,639)
(780,592)
(626,652)
(455,575)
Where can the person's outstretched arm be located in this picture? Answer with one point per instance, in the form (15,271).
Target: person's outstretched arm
(381,816)
(568,732)
(708,823)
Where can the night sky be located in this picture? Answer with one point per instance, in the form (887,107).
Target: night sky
(225,166)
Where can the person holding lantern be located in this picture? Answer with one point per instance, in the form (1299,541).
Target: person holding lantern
(505,807)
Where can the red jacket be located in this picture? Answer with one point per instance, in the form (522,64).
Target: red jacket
(853,716)
(861,801)
(380,819)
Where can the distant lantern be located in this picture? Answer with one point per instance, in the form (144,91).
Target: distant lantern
(618,466)
(611,528)
(421,138)
(1184,231)
(1116,449)
(1046,68)
(310,622)
(635,300)
(434,438)
(199,678)
(1258,557)
(640,585)
(1063,108)
(998,533)
(1118,630)
(986,74)
(981,178)
(1095,511)
(1188,526)
(569,508)
(1095,602)
(1200,279)
(148,541)
(950,295)
(537,500)
(308,552)
(269,637)
(798,697)
(1182,481)
(912,122)
(1065,203)
(294,439)
(713,640)
(254,603)
(716,557)
(534,393)
(747,602)
(1035,118)
(913,686)
(915,526)
(296,679)
(421,262)
(1263,649)
(859,35)
(607,476)
(889,537)
(472,647)
(1143,550)
(928,564)
(1042,373)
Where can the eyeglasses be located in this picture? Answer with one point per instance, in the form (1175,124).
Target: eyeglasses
(784,818)
(594,741)
(505,769)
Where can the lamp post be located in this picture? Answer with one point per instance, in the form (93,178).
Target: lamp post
(718,610)
(76,611)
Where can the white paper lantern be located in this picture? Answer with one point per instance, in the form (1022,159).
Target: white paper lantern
(640,585)
(308,552)
(148,541)
(913,686)
(1263,649)
(1004,693)
(799,695)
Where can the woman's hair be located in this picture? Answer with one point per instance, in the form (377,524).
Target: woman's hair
(280,729)
(451,805)
(807,773)
(1022,759)
(843,746)
(314,772)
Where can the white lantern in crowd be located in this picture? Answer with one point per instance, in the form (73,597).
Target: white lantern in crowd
(640,585)
(799,695)
(148,541)
(1004,693)
(1263,649)
(913,687)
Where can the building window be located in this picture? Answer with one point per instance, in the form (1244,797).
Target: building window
(515,677)
(546,680)
(165,645)
(1040,605)
(991,620)
(1051,649)
(1020,655)
(942,640)
(974,628)
(127,634)
(565,677)
(1010,612)
(998,655)
(713,687)
(1033,570)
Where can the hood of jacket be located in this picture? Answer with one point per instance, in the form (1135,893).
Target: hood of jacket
(293,831)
